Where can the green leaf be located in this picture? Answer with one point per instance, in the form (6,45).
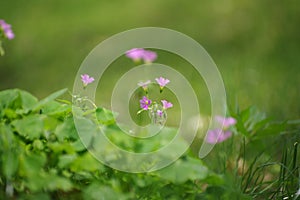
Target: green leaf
(86,162)
(260,125)
(41,181)
(271,130)
(8,99)
(48,99)
(9,149)
(28,100)
(54,182)
(31,127)
(66,130)
(56,109)
(10,113)
(97,191)
(229,190)
(31,164)
(78,146)
(105,116)
(60,147)
(50,124)
(7,138)
(250,120)
(162,138)
(214,179)
(245,114)
(17,99)
(183,170)
(67,102)
(241,128)
(38,145)
(10,163)
(66,160)
(86,129)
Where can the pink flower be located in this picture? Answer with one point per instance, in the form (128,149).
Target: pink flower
(137,54)
(225,122)
(86,79)
(149,56)
(7,29)
(144,85)
(217,136)
(160,113)
(166,104)
(145,103)
(220,135)
(162,81)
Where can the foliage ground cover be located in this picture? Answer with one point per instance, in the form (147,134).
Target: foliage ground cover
(42,157)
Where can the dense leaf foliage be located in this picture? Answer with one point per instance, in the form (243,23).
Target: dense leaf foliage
(43,157)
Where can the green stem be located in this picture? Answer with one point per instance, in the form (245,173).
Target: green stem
(1,49)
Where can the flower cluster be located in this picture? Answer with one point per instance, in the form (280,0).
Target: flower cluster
(146,104)
(138,54)
(6,28)
(157,111)
(83,101)
(221,134)
(162,82)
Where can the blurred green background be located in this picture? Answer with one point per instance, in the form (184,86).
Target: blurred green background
(255,44)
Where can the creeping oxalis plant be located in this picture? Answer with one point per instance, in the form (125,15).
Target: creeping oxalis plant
(42,155)
(82,101)
(157,110)
(5,33)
